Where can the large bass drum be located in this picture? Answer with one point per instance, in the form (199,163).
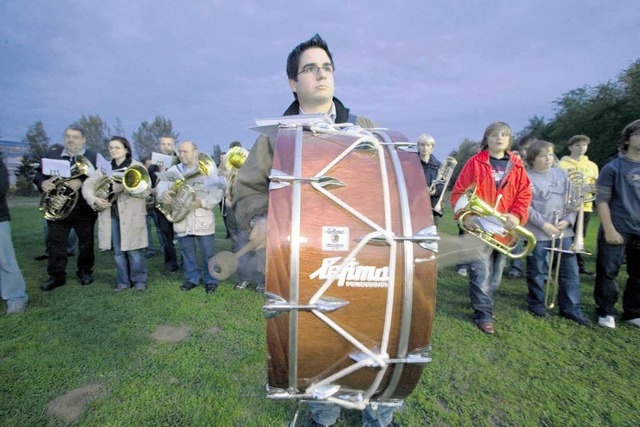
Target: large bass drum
(350,275)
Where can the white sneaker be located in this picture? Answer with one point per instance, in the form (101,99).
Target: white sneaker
(609,321)
(634,322)
(462,272)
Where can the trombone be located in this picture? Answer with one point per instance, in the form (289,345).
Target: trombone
(553,274)
(582,191)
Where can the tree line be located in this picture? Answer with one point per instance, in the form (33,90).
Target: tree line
(600,112)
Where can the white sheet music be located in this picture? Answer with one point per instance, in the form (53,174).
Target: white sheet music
(163,161)
(56,167)
(103,165)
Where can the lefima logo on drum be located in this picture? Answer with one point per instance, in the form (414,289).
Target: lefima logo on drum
(353,274)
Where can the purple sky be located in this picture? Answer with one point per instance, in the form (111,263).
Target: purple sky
(445,67)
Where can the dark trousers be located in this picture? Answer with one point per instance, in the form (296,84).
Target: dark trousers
(82,223)
(608,264)
(587,218)
(166,229)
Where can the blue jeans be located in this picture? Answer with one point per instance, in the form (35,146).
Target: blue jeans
(485,274)
(131,265)
(608,264)
(72,242)
(568,279)
(152,218)
(328,413)
(515,265)
(252,264)
(190,267)
(12,286)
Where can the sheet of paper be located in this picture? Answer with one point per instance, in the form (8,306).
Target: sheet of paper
(163,161)
(103,165)
(56,167)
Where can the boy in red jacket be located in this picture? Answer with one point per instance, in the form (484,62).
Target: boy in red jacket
(500,178)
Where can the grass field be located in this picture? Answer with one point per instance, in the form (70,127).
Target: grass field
(88,356)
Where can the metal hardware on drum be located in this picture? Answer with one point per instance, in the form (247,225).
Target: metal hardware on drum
(279,179)
(445,172)
(469,203)
(58,203)
(276,305)
(427,238)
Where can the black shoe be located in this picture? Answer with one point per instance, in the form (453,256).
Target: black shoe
(41,257)
(85,279)
(187,286)
(168,270)
(539,313)
(51,284)
(70,254)
(586,272)
(211,288)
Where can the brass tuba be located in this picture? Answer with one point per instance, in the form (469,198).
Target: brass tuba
(135,180)
(185,194)
(504,241)
(58,203)
(445,172)
(234,161)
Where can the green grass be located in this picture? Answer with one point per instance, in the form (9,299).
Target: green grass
(532,372)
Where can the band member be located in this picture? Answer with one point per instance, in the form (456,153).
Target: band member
(166,145)
(550,222)
(578,160)
(12,287)
(618,204)
(310,71)
(122,221)
(81,219)
(500,178)
(199,224)
(430,166)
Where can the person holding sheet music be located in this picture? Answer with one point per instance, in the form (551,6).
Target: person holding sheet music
(166,145)
(81,219)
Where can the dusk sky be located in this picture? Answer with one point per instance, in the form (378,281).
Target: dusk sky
(449,68)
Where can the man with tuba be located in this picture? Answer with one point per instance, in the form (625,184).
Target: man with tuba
(196,186)
(577,160)
(502,183)
(81,218)
(122,214)
(166,146)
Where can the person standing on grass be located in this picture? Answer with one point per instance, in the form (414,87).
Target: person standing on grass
(618,206)
(548,219)
(121,222)
(430,165)
(200,224)
(500,178)
(310,71)
(578,161)
(12,286)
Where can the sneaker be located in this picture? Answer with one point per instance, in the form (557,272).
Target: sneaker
(607,321)
(121,288)
(513,276)
(462,272)
(260,288)
(140,286)
(19,306)
(634,322)
(241,285)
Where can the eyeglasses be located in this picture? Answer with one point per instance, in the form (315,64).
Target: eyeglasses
(115,148)
(313,69)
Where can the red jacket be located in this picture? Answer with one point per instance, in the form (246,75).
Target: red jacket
(515,187)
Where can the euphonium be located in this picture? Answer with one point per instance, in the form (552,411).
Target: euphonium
(58,203)
(505,241)
(582,191)
(234,161)
(185,194)
(445,172)
(135,180)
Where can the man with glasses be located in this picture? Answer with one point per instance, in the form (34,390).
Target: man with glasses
(199,225)
(310,70)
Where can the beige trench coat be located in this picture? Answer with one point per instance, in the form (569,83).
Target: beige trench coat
(132,212)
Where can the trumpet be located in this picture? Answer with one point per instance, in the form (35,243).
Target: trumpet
(582,191)
(445,172)
(502,240)
(58,203)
